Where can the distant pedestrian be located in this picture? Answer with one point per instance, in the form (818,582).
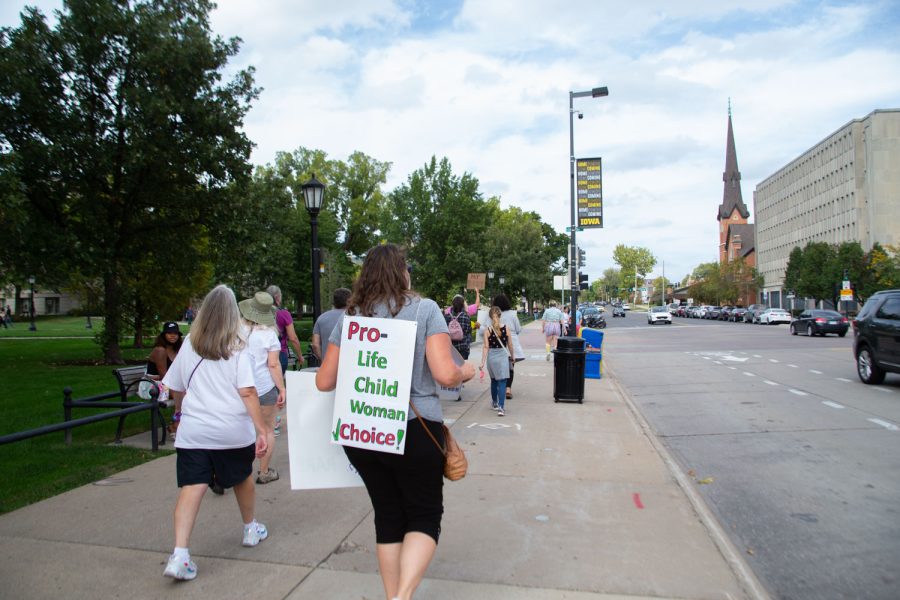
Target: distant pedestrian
(495,354)
(551,326)
(463,336)
(284,325)
(264,349)
(7,317)
(510,318)
(327,320)
(221,430)
(189,315)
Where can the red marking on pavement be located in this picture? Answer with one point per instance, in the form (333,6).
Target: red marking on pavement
(637,500)
(608,410)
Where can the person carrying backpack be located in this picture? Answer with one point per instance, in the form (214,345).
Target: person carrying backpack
(460,326)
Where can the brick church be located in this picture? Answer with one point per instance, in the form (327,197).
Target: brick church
(736,235)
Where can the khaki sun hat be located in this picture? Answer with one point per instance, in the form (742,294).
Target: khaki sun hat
(258,309)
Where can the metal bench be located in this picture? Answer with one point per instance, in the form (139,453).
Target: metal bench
(129,379)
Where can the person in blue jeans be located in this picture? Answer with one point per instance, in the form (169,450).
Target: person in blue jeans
(496,355)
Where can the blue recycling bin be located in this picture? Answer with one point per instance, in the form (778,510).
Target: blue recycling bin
(593,360)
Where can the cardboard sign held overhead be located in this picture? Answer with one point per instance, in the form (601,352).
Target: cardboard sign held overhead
(475,281)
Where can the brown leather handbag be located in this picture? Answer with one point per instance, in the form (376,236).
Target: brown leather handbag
(455,463)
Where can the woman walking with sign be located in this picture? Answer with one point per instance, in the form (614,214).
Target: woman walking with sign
(406,489)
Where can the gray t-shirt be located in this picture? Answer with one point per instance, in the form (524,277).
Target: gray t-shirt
(423,389)
(325,325)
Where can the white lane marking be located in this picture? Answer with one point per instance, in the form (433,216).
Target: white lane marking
(885,390)
(733,368)
(472,425)
(844,380)
(749,374)
(536,374)
(816,372)
(519,426)
(885,424)
(798,392)
(832,404)
(716,362)
(793,366)
(706,358)
(769,382)
(772,360)
(757,356)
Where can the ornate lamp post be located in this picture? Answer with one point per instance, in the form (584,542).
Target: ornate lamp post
(313,192)
(31,304)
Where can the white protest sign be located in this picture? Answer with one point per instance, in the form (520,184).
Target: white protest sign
(315,462)
(373,381)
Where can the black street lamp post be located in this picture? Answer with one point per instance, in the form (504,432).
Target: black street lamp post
(597,92)
(32,327)
(313,191)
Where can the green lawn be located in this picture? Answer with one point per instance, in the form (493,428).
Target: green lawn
(53,327)
(33,374)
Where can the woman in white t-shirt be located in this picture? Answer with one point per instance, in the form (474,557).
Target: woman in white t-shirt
(222,429)
(264,348)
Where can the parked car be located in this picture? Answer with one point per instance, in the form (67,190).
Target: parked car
(738,314)
(752,314)
(713,313)
(820,322)
(701,312)
(659,313)
(773,316)
(593,318)
(682,311)
(625,306)
(876,330)
(673,308)
(618,311)
(726,313)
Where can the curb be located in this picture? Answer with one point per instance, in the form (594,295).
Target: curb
(728,550)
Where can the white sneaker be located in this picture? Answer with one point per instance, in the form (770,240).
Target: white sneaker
(181,569)
(254,535)
(500,412)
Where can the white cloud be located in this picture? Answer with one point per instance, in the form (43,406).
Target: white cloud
(488,87)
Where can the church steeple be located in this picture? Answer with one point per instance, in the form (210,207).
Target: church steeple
(731,198)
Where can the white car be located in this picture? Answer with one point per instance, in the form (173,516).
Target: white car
(771,316)
(659,313)
(625,306)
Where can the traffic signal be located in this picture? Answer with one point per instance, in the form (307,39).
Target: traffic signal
(583,281)
(581,257)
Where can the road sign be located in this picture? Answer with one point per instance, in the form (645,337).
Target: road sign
(846,294)
(569,229)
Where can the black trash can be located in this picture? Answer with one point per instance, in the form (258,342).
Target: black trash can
(568,370)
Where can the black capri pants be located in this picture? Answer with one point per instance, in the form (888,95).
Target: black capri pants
(407,490)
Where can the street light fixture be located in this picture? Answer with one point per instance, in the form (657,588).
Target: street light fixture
(597,92)
(313,192)
(33,327)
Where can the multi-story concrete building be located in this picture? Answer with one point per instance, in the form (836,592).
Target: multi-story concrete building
(845,188)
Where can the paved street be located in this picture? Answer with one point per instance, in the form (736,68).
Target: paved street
(802,459)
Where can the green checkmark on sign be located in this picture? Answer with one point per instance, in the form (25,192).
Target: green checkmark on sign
(337,429)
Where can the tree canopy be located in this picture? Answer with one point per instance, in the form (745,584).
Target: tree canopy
(120,136)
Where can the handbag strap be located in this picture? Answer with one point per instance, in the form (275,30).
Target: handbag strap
(428,431)
(191,376)
(500,339)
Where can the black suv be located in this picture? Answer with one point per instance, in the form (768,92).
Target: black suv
(876,337)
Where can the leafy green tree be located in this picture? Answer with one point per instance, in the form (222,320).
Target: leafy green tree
(635,262)
(794,270)
(442,220)
(881,271)
(817,277)
(612,283)
(122,136)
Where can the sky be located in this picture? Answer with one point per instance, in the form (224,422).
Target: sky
(485,83)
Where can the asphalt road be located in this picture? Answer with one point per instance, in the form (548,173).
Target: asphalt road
(798,459)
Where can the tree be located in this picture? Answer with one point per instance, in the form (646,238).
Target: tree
(122,137)
(817,277)
(794,270)
(441,219)
(633,261)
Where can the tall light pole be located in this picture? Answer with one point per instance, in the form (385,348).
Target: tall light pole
(313,192)
(33,327)
(597,92)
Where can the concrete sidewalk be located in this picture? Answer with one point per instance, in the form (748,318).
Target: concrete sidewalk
(574,501)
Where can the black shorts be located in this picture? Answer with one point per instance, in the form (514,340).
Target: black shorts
(230,467)
(407,490)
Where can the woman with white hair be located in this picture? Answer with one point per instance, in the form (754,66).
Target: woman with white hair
(221,430)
